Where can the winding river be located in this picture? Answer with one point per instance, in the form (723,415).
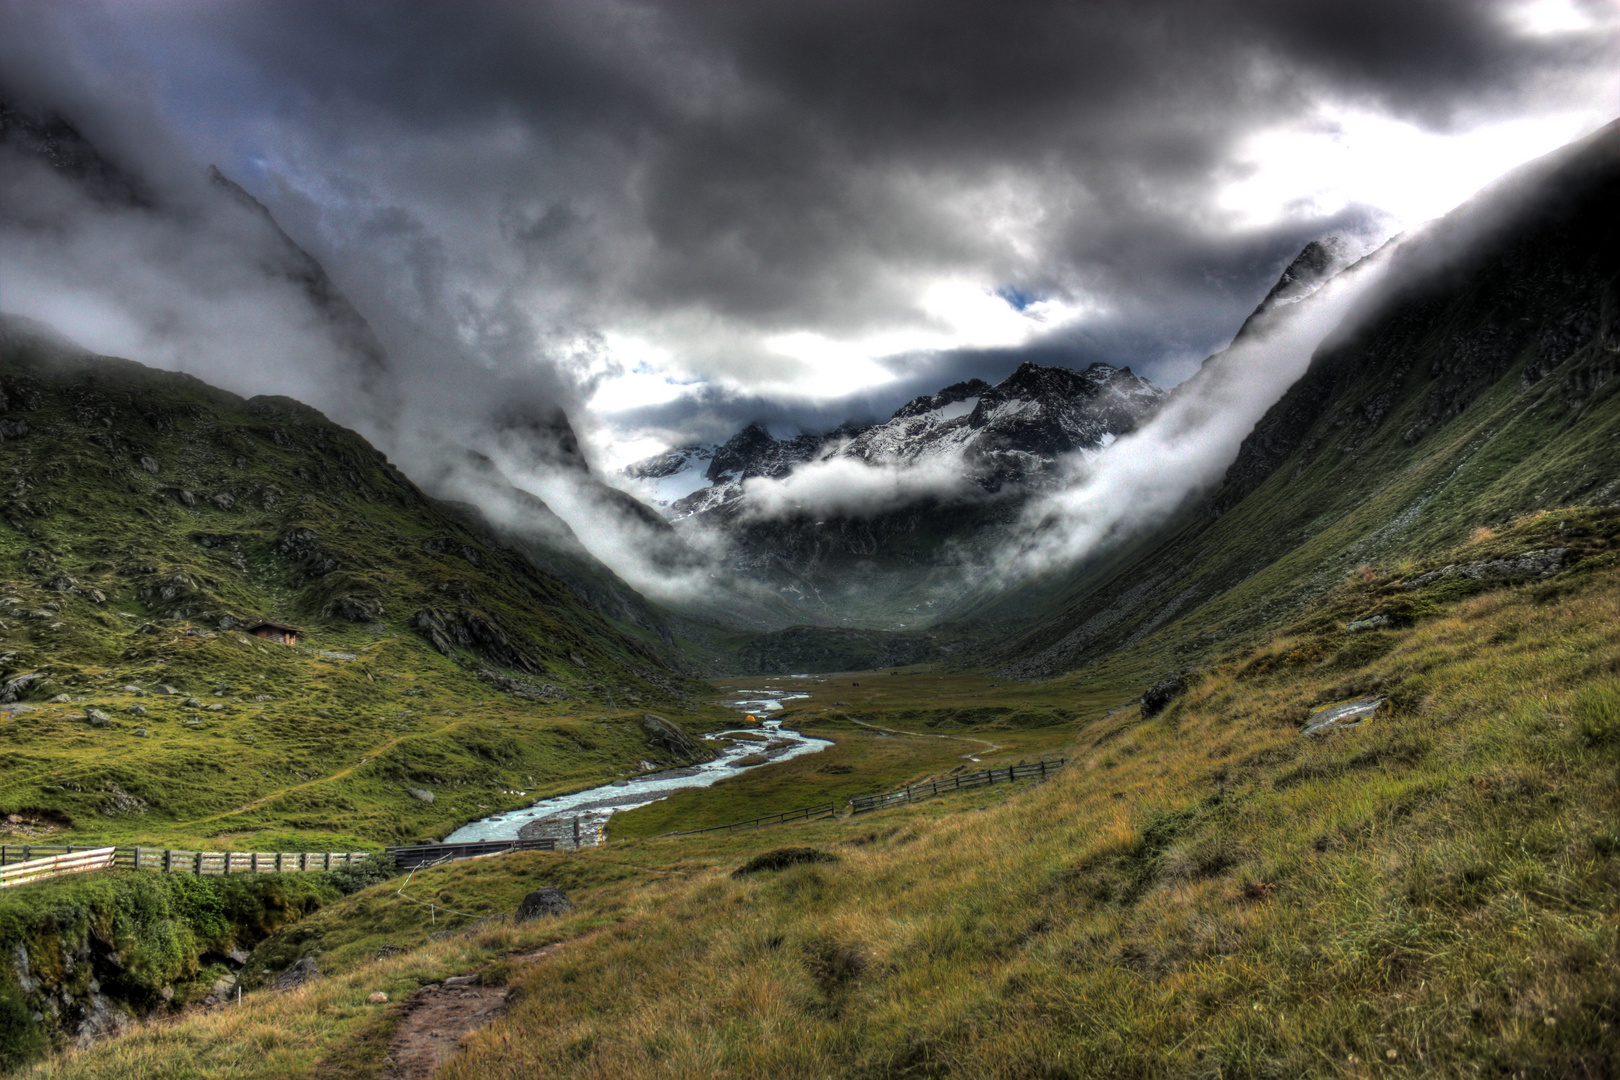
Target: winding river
(590,809)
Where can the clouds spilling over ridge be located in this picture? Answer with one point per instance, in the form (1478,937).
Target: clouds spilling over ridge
(1184,449)
(723,203)
(672,219)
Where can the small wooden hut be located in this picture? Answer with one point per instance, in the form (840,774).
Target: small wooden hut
(274,631)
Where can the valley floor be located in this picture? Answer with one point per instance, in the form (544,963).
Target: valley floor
(1204,892)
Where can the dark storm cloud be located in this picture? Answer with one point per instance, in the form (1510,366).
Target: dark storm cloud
(517,179)
(767,145)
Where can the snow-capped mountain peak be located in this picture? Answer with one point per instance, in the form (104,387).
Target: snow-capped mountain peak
(1011,433)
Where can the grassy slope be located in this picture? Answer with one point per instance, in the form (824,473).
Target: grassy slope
(112,575)
(887,730)
(1203,893)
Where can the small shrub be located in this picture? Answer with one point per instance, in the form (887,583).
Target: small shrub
(1597,713)
(369,871)
(21,1039)
(832,964)
(1363,649)
(782,858)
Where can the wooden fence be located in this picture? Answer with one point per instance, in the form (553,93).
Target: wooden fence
(50,866)
(409,858)
(1037,770)
(804,813)
(36,862)
(208,863)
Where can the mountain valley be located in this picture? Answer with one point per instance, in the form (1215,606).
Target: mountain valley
(1332,727)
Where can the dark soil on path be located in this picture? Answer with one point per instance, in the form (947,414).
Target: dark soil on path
(435,1019)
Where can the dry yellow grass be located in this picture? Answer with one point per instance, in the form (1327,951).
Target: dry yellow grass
(1205,893)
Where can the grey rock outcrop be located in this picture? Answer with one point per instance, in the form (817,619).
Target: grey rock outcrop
(1346,714)
(18,686)
(1372,623)
(224,989)
(1531,564)
(302,973)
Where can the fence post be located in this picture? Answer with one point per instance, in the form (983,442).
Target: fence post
(253,862)
(198,858)
(137,856)
(168,860)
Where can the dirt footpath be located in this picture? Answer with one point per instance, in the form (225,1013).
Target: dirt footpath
(435,1019)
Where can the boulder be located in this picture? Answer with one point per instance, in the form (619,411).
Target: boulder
(1341,714)
(420,793)
(1161,694)
(1372,623)
(165,689)
(300,974)
(672,740)
(97,718)
(16,687)
(223,990)
(543,902)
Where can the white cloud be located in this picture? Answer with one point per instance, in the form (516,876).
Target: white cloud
(841,485)
(1342,157)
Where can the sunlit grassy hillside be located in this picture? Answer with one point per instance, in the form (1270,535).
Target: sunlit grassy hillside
(148,520)
(1203,893)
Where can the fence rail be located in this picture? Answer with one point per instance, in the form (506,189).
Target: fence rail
(804,813)
(36,862)
(49,866)
(409,858)
(862,804)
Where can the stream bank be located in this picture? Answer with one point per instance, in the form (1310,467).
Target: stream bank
(581,817)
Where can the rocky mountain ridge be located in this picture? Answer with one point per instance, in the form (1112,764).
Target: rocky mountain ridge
(1011,433)
(965,459)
